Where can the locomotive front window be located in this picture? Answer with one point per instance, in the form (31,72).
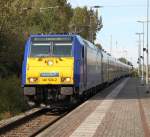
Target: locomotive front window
(62,49)
(40,50)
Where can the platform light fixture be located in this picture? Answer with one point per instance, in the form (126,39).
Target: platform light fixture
(91,32)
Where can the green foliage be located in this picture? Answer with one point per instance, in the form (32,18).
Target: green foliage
(99,45)
(85,21)
(125,61)
(11,96)
(80,21)
(135,73)
(19,19)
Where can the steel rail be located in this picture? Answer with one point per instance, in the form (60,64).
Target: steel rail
(31,124)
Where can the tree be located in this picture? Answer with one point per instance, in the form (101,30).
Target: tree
(50,20)
(20,18)
(123,60)
(80,22)
(98,45)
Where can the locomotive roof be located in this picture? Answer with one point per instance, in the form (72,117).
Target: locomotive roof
(53,35)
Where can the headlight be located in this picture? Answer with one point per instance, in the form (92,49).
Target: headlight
(32,80)
(50,63)
(65,79)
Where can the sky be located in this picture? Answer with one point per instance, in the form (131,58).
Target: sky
(120,22)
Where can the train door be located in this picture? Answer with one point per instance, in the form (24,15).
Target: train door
(84,58)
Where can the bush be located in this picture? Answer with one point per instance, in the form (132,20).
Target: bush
(11,97)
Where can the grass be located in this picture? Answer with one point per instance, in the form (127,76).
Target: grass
(11,97)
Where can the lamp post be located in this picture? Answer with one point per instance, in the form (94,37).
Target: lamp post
(91,16)
(139,53)
(147,63)
(142,78)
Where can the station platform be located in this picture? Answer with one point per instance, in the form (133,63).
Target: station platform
(121,110)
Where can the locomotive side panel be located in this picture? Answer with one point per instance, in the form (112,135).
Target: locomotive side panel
(94,66)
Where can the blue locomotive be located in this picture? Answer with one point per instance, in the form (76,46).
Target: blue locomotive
(56,67)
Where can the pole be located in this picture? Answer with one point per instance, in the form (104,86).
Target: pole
(143,59)
(139,55)
(138,71)
(144,66)
(91,32)
(147,82)
(110,44)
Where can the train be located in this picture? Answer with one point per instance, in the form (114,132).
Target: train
(58,67)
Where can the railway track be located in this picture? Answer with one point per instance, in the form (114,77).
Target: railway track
(34,122)
(31,124)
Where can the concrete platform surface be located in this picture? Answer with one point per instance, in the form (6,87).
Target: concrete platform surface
(122,110)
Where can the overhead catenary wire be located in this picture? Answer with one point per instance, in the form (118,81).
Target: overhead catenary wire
(124,6)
